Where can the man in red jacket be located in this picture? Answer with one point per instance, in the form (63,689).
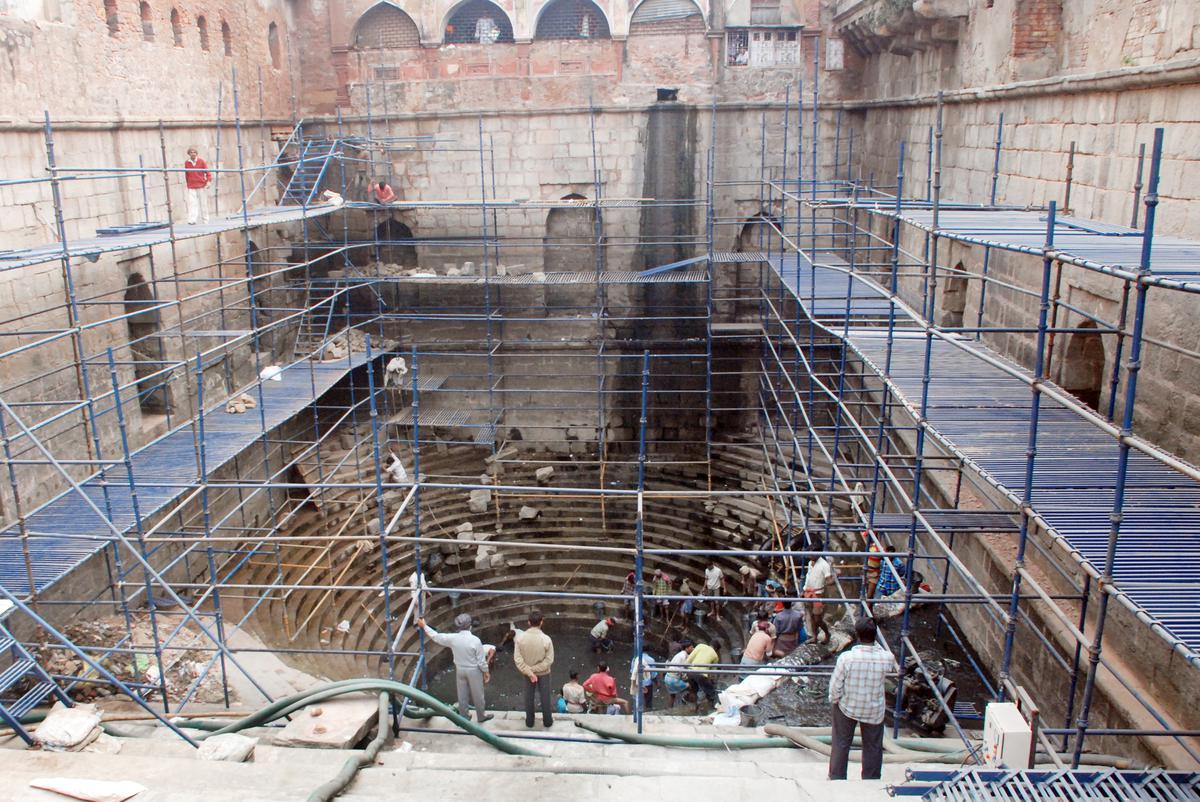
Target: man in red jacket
(197,176)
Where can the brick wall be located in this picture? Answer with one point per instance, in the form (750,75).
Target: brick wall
(1037,26)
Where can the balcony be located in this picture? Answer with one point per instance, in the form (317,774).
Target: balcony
(903,27)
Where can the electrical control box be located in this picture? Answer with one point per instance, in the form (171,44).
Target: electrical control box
(1007,736)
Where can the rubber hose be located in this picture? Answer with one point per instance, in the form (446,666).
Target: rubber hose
(686,742)
(895,755)
(328,790)
(283,707)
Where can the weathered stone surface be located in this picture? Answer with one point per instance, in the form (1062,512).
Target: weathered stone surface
(544,474)
(528,513)
(333,724)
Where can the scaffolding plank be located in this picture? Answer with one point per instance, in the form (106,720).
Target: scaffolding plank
(65,531)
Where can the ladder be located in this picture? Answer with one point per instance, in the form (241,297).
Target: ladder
(14,706)
(317,322)
(315,158)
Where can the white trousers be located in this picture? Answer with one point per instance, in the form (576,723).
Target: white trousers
(197,211)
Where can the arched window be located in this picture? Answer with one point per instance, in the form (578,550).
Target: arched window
(202,26)
(570,242)
(147,22)
(176,28)
(954,298)
(384,25)
(392,239)
(273,45)
(111,18)
(226,38)
(1082,371)
(478,22)
(572,19)
(667,16)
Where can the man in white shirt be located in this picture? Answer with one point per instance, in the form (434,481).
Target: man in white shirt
(714,585)
(674,682)
(856,696)
(820,572)
(470,664)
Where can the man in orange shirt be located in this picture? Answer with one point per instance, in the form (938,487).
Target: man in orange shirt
(197,178)
(383,192)
(603,687)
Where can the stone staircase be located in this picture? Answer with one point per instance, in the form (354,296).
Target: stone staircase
(455,767)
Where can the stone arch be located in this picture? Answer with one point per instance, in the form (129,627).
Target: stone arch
(176,28)
(146,347)
(667,16)
(202,28)
(1082,371)
(111,18)
(385,25)
(226,38)
(465,23)
(390,239)
(569,245)
(572,19)
(954,298)
(755,234)
(147,15)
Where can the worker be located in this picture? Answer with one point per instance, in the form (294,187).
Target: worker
(871,574)
(751,576)
(383,192)
(573,694)
(197,178)
(686,606)
(700,655)
(889,577)
(817,578)
(603,688)
(533,652)
(760,645)
(661,587)
(470,665)
(643,682)
(789,630)
(675,681)
(599,634)
(856,696)
(714,585)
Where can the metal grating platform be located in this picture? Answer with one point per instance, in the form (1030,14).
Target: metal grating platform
(65,531)
(983,413)
(1079,785)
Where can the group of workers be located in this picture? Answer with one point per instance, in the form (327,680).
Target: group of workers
(856,686)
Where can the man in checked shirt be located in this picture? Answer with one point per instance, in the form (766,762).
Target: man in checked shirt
(856,694)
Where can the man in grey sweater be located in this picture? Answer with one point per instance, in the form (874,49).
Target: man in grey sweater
(533,652)
(470,664)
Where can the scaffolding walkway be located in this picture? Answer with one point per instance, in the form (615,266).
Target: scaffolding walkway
(66,531)
(982,414)
(93,247)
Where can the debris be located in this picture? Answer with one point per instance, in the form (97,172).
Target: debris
(468,268)
(344,626)
(229,747)
(543,474)
(89,790)
(240,404)
(271,373)
(516,562)
(478,500)
(329,196)
(539,276)
(528,513)
(68,729)
(483,557)
(104,744)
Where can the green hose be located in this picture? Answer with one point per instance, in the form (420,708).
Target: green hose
(685,742)
(332,788)
(283,707)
